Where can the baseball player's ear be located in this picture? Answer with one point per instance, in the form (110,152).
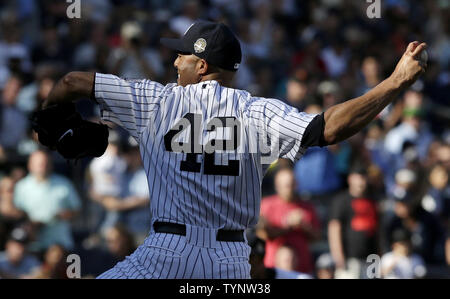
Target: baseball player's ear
(202,67)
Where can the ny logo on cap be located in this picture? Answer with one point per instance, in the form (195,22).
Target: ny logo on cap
(200,45)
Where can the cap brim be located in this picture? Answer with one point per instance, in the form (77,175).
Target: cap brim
(174,44)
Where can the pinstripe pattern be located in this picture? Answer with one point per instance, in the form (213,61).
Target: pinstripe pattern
(171,256)
(204,202)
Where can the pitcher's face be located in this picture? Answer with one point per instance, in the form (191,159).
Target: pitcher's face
(187,68)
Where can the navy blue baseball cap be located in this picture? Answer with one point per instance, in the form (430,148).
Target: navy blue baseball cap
(214,42)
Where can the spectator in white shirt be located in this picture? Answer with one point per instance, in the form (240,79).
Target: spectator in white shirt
(107,174)
(401,263)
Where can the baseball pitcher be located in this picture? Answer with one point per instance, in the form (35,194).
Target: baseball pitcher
(205,147)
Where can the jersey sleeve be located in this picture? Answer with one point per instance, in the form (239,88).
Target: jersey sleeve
(129,103)
(281,125)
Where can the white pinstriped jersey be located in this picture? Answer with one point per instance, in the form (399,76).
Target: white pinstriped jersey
(195,185)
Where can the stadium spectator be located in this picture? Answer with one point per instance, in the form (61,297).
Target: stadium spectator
(402,190)
(132,207)
(14,55)
(316,173)
(353,227)
(287,220)
(190,12)
(13,122)
(325,266)
(10,216)
(329,93)
(106,180)
(16,262)
(103,253)
(370,71)
(133,59)
(336,57)
(427,234)
(119,242)
(51,48)
(49,200)
(412,128)
(135,203)
(33,94)
(296,93)
(437,198)
(285,258)
(94,52)
(426,231)
(401,262)
(259,270)
(54,265)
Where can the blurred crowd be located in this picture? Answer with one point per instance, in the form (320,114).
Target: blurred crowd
(384,193)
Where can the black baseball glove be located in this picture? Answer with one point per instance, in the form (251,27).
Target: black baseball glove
(60,127)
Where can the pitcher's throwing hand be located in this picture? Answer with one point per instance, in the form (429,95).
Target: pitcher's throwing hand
(411,65)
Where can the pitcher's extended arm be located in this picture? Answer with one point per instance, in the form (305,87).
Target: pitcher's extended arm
(346,119)
(71,87)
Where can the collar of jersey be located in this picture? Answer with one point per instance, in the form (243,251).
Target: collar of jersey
(208,82)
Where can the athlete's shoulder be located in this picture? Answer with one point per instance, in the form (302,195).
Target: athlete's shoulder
(165,93)
(179,89)
(221,92)
(242,96)
(172,87)
(260,104)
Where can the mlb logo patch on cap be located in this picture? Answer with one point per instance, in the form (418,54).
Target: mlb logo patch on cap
(200,45)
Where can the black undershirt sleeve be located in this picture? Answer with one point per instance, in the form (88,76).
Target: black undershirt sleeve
(313,135)
(93,90)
